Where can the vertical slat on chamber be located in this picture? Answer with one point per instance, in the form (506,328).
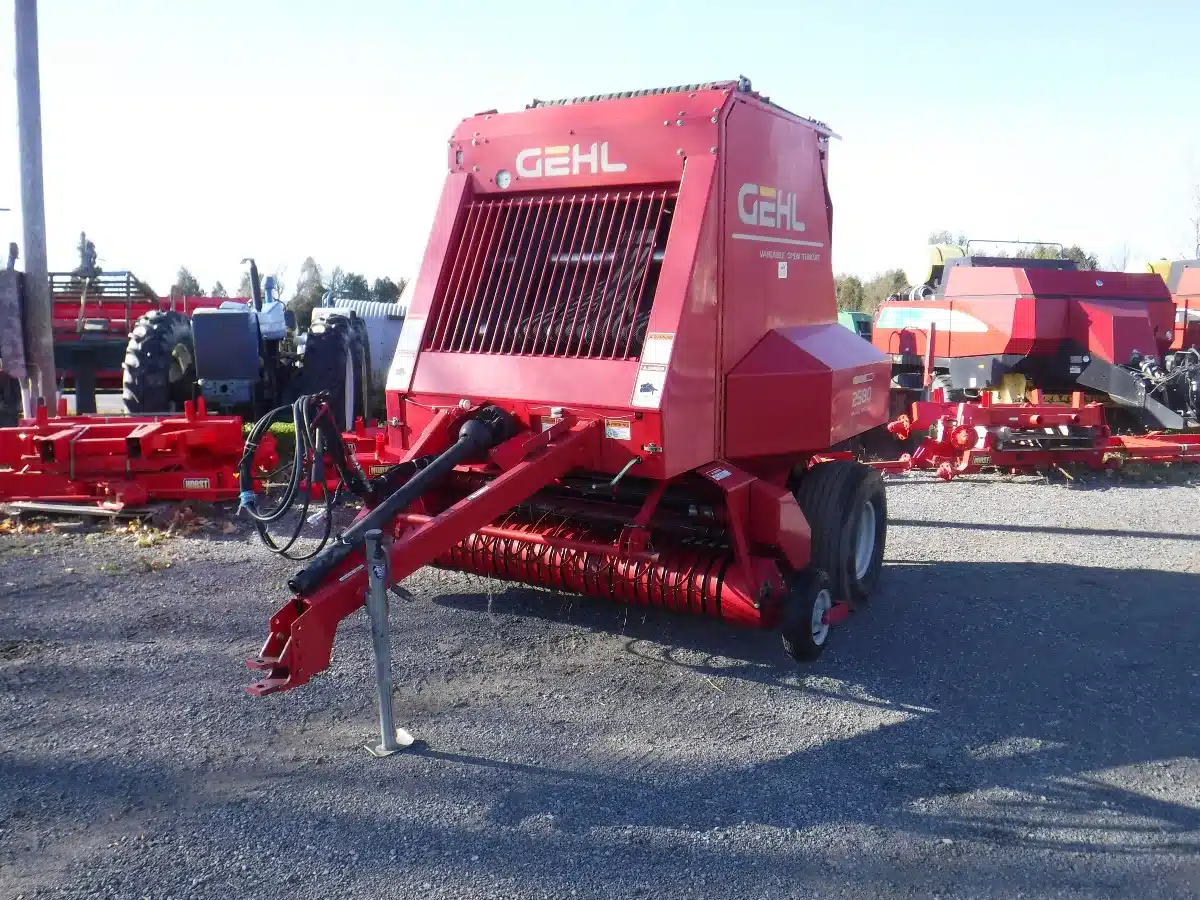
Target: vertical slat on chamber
(632,240)
(595,299)
(527,251)
(558,280)
(586,242)
(452,297)
(608,309)
(552,245)
(484,243)
(652,224)
(588,260)
(486,299)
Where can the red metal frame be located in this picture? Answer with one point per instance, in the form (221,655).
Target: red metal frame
(117,461)
(967,438)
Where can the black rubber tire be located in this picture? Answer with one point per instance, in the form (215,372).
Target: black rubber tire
(323,359)
(159,372)
(362,367)
(10,401)
(805,589)
(952,394)
(833,495)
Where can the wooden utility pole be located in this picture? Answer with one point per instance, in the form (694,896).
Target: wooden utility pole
(39,332)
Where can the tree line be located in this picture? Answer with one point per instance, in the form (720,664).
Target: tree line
(855,294)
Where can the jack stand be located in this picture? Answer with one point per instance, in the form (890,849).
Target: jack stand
(392,739)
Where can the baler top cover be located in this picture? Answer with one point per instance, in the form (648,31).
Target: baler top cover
(628,256)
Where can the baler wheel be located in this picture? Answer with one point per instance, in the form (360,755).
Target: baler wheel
(846,507)
(159,372)
(802,616)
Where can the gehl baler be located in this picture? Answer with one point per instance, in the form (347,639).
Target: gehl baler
(619,375)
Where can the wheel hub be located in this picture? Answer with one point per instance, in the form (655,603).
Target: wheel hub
(822,604)
(864,540)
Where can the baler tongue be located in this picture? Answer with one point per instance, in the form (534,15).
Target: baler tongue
(333,586)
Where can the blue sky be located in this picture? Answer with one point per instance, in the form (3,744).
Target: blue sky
(198,132)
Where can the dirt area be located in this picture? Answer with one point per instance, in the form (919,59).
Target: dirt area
(1017,714)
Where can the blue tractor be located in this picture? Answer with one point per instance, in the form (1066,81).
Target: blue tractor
(245,358)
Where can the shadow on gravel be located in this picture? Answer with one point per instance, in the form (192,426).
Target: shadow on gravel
(1022,681)
(1015,690)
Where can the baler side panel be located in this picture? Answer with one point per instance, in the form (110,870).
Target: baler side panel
(776,269)
(805,388)
(686,305)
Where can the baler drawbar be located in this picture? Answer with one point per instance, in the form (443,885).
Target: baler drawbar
(620,375)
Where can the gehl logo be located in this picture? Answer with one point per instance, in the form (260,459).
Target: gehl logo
(768,207)
(551,162)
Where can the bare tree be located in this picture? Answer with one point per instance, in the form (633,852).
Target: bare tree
(1119,260)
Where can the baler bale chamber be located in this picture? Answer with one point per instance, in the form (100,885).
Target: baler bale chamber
(621,375)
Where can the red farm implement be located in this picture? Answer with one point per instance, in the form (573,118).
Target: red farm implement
(620,357)
(967,438)
(1023,365)
(121,461)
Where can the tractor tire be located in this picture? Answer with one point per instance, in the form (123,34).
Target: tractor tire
(362,366)
(809,596)
(951,394)
(10,402)
(846,507)
(327,363)
(159,372)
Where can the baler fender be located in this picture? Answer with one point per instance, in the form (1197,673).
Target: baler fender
(300,643)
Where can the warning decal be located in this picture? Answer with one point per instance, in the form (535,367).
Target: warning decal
(617,429)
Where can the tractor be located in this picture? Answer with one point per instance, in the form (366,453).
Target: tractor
(246,358)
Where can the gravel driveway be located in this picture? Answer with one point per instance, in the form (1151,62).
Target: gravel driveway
(1016,715)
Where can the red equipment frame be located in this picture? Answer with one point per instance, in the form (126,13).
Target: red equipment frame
(968,438)
(642,284)
(119,461)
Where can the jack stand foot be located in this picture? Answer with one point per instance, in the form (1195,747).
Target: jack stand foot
(402,741)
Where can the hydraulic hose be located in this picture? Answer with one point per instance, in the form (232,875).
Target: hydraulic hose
(489,427)
(308,414)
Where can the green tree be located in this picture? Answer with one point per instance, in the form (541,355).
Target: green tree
(310,287)
(882,286)
(387,291)
(218,289)
(186,284)
(355,287)
(244,289)
(1082,258)
(851,294)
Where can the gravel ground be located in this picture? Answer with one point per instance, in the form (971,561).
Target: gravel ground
(1015,715)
